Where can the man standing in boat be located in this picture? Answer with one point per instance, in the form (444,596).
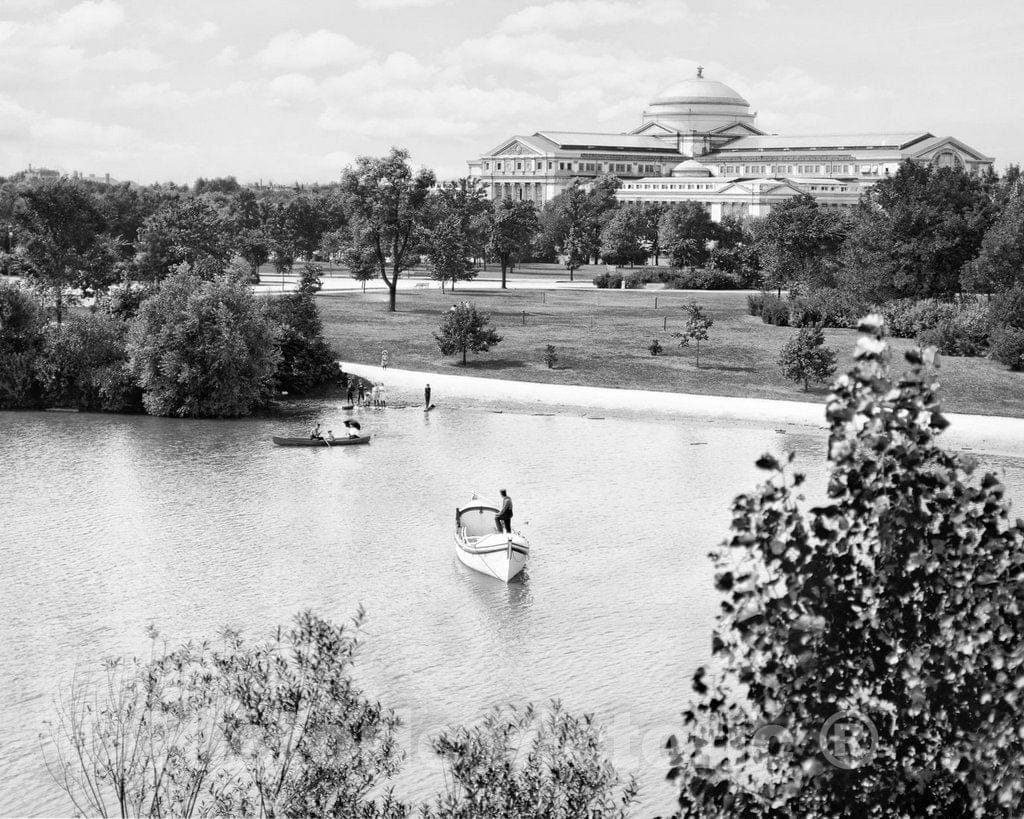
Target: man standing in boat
(505,515)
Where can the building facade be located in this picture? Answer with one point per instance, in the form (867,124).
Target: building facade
(698,141)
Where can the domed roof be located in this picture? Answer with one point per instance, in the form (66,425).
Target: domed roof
(700,91)
(691,167)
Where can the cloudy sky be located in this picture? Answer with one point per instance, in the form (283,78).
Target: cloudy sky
(289,91)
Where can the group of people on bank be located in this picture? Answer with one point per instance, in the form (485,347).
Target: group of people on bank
(359,395)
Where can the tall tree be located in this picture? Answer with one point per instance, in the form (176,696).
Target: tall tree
(448,252)
(799,242)
(914,232)
(512,226)
(61,230)
(183,231)
(572,223)
(386,203)
(467,198)
(684,231)
(1001,259)
(625,238)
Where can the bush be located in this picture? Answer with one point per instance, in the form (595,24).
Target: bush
(1007,309)
(775,311)
(803,314)
(1006,346)
(638,278)
(307,362)
(908,318)
(835,307)
(203,348)
(705,279)
(966,333)
(609,281)
(550,356)
(755,303)
(655,347)
(22,328)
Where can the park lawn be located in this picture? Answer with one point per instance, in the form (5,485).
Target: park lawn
(601,339)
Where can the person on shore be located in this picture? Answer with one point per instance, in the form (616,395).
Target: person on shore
(362,393)
(375,395)
(316,435)
(381,395)
(426,397)
(504,516)
(348,394)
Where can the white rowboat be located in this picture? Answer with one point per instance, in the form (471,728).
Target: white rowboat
(480,546)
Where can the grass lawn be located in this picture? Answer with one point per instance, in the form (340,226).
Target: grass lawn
(601,338)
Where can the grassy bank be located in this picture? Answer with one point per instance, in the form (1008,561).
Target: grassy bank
(601,338)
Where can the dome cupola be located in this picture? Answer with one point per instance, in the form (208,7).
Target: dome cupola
(698,104)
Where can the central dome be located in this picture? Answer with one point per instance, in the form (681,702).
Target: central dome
(700,91)
(698,105)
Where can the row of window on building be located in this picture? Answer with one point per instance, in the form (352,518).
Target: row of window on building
(800,170)
(582,167)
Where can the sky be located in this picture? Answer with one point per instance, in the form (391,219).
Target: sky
(294,91)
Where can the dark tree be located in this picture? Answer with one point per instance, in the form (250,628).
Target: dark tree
(512,226)
(464,330)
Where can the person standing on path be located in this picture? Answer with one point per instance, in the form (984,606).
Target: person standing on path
(426,397)
(362,393)
(504,516)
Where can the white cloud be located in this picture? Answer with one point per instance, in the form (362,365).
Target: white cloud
(66,131)
(93,18)
(301,52)
(290,89)
(384,5)
(572,15)
(140,94)
(129,59)
(227,56)
(337,160)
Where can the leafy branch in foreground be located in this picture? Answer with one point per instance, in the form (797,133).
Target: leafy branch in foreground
(897,604)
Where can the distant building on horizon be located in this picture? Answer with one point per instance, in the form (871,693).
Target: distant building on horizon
(698,142)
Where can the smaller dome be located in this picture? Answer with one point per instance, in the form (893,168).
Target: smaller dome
(691,167)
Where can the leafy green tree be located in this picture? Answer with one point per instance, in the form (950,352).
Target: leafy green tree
(307,362)
(624,238)
(698,323)
(125,208)
(61,226)
(448,252)
(254,247)
(1002,248)
(529,765)
(387,209)
(684,231)
(512,226)
(463,329)
(896,606)
(805,358)
(914,232)
(799,243)
(21,343)
(467,199)
(268,729)
(85,365)
(183,231)
(572,222)
(203,347)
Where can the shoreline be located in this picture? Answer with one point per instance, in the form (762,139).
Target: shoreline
(988,433)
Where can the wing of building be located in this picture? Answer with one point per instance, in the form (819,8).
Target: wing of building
(698,142)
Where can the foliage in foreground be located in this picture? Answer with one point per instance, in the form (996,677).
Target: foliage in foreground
(203,347)
(562,774)
(278,729)
(265,729)
(900,599)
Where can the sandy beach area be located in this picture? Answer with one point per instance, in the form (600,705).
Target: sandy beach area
(982,433)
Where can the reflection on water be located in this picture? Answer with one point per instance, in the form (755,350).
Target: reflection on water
(113,523)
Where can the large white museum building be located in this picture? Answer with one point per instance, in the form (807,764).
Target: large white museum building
(698,142)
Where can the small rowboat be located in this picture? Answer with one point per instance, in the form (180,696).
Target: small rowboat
(323,444)
(478,545)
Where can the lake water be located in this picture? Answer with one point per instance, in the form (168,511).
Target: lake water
(111,523)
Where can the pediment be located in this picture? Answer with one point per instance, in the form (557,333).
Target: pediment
(946,143)
(737,129)
(654,129)
(759,187)
(515,147)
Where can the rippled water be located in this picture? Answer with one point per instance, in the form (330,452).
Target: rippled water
(112,523)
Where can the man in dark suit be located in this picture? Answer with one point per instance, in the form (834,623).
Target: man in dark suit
(504,517)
